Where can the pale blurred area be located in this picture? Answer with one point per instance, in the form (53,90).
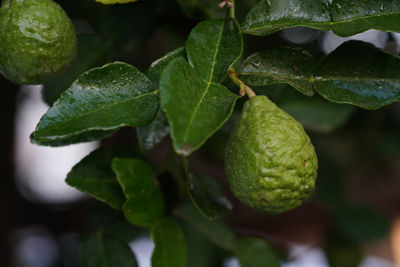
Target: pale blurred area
(40,170)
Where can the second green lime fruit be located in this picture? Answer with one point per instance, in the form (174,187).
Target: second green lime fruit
(270,162)
(37,40)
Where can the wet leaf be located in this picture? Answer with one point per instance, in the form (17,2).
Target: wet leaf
(280,65)
(269,16)
(350,17)
(195,109)
(213,46)
(99,101)
(360,74)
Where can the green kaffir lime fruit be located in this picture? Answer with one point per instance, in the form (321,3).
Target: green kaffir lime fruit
(37,40)
(270,162)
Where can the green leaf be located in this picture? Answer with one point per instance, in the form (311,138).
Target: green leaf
(152,134)
(94,176)
(101,99)
(360,74)
(216,231)
(93,50)
(145,204)
(157,67)
(350,16)
(269,16)
(213,46)
(105,251)
(255,252)
(279,65)
(317,114)
(195,109)
(170,245)
(207,196)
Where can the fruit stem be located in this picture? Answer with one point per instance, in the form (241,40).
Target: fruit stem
(232,9)
(244,89)
(229,4)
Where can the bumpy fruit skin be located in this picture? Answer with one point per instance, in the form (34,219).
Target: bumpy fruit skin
(270,162)
(37,40)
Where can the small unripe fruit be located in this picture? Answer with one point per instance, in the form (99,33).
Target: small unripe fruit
(270,162)
(37,40)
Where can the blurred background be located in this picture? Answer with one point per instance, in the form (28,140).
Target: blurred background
(352,219)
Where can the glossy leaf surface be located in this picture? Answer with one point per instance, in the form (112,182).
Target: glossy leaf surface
(145,204)
(351,16)
(106,251)
(93,51)
(101,99)
(216,231)
(195,109)
(269,16)
(152,134)
(157,67)
(207,196)
(280,65)
(360,74)
(170,245)
(213,46)
(255,252)
(93,175)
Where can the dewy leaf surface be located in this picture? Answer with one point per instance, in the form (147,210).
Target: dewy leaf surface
(255,252)
(93,175)
(195,109)
(353,16)
(93,51)
(213,46)
(101,99)
(170,245)
(145,203)
(106,251)
(207,196)
(279,65)
(360,74)
(269,16)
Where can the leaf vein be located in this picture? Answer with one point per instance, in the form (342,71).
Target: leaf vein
(208,85)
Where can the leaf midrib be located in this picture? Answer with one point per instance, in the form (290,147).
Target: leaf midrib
(330,23)
(49,128)
(288,77)
(329,79)
(208,84)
